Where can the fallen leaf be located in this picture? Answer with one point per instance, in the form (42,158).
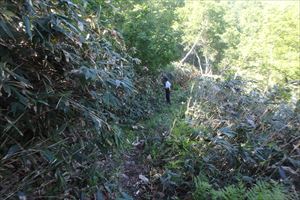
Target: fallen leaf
(144,178)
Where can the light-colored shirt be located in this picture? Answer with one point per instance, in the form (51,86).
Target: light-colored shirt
(168,85)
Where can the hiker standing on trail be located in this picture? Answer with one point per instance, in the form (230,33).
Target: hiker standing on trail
(167,85)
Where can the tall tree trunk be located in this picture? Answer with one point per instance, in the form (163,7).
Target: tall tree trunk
(194,59)
(189,52)
(199,62)
(207,65)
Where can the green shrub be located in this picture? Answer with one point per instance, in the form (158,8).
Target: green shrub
(266,191)
(203,188)
(66,83)
(231,192)
(249,130)
(262,190)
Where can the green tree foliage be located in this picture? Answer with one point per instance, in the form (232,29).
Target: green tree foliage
(269,44)
(259,40)
(203,24)
(148,28)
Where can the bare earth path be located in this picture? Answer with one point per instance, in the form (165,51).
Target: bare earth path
(139,174)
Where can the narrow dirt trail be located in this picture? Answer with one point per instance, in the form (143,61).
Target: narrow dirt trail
(135,173)
(136,177)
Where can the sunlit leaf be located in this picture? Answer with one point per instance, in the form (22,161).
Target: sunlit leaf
(11,151)
(227,131)
(48,155)
(99,195)
(28,26)
(6,29)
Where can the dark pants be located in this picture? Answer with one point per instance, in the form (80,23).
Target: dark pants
(168,95)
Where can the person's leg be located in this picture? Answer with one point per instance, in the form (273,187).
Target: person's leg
(168,96)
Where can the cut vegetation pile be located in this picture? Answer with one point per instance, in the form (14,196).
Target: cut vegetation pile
(251,135)
(232,143)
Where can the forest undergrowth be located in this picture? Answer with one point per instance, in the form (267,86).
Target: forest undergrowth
(81,117)
(218,140)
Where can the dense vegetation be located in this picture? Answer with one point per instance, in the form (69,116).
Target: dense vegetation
(82,113)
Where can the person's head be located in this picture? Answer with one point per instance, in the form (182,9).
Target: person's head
(165,79)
